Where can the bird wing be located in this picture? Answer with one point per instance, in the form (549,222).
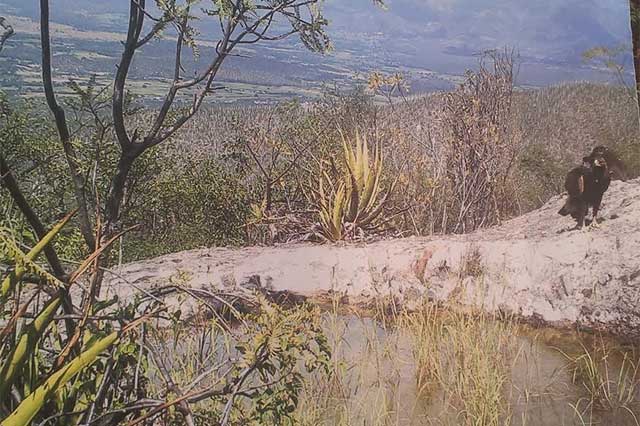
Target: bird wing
(581,184)
(574,182)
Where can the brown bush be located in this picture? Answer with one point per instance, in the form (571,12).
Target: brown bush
(480,145)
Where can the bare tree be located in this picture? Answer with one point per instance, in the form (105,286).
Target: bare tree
(480,154)
(240,22)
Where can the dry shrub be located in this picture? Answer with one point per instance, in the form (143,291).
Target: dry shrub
(480,144)
(463,160)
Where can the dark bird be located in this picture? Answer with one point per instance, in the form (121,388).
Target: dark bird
(586,184)
(617,169)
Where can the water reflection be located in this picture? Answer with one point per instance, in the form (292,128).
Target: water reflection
(378,386)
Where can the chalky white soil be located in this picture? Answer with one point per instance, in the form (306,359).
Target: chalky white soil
(533,265)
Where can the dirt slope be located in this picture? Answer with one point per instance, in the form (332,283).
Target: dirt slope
(532,265)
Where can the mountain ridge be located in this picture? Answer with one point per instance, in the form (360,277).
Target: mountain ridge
(430,41)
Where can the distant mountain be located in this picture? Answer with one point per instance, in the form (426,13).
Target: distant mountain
(540,28)
(431,41)
(534,26)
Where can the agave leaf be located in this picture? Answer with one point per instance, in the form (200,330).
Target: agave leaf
(349,155)
(330,216)
(353,197)
(321,192)
(25,262)
(370,187)
(26,347)
(325,216)
(374,189)
(11,324)
(355,194)
(353,164)
(31,405)
(338,212)
(328,180)
(375,212)
(363,161)
(22,266)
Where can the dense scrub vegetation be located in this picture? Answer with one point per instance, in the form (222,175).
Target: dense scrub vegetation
(117,364)
(545,133)
(344,167)
(250,175)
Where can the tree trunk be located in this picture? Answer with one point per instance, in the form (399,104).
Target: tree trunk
(63,129)
(634,14)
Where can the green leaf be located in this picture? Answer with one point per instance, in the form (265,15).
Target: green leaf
(24,263)
(26,347)
(30,406)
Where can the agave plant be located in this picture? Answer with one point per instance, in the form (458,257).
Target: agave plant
(353,199)
(30,381)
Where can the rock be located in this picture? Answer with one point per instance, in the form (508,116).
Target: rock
(533,265)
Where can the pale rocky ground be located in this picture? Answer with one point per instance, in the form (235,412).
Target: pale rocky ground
(534,266)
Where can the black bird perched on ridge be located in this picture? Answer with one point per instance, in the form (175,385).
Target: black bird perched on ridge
(586,184)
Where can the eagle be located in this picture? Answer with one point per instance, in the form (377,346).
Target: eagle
(586,185)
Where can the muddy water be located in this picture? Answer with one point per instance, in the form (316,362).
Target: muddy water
(379,386)
(374,380)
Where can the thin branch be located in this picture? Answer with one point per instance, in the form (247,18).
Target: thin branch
(102,390)
(159,25)
(8,181)
(63,129)
(168,101)
(182,405)
(6,33)
(136,20)
(226,413)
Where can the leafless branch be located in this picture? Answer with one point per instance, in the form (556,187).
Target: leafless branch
(6,33)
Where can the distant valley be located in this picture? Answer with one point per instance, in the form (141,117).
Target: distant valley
(431,42)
